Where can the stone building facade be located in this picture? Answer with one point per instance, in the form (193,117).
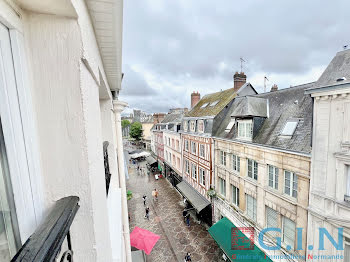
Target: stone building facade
(329,205)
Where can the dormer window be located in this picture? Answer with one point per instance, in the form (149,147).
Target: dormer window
(289,128)
(193,126)
(185,125)
(245,129)
(230,125)
(201,126)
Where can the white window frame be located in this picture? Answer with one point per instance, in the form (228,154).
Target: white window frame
(201,123)
(187,167)
(272,176)
(192,125)
(20,133)
(292,181)
(185,126)
(223,157)
(194,171)
(222,187)
(202,176)
(245,129)
(255,167)
(193,147)
(235,192)
(253,208)
(347,183)
(236,163)
(202,150)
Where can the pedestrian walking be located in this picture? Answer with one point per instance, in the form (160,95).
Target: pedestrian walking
(144,197)
(188,220)
(184,214)
(147,212)
(156,193)
(188,257)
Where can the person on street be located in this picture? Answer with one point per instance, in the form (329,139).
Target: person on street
(156,193)
(188,220)
(188,257)
(147,212)
(144,197)
(184,214)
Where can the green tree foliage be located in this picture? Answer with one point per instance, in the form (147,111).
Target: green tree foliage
(136,130)
(125,123)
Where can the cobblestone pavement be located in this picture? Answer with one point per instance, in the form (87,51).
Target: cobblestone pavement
(166,220)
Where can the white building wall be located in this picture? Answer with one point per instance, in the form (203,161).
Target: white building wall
(173,150)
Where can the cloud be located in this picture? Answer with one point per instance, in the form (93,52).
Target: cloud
(171,48)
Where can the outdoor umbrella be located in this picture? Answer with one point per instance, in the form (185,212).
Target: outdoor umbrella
(143,239)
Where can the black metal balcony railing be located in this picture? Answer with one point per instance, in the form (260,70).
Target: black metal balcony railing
(46,242)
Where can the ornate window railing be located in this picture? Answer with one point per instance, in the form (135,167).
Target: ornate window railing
(45,244)
(106,163)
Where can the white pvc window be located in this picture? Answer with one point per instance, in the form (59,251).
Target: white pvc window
(215,103)
(222,186)
(204,105)
(202,176)
(235,195)
(194,171)
(230,125)
(187,167)
(273,176)
(289,128)
(193,147)
(223,158)
(252,169)
(193,126)
(290,184)
(236,163)
(200,126)
(185,125)
(201,150)
(245,129)
(186,145)
(288,232)
(251,207)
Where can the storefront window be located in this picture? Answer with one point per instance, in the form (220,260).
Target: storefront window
(9,235)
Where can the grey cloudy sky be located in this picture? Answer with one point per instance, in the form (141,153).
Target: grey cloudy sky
(174,47)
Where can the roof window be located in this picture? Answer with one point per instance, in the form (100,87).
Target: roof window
(289,128)
(230,125)
(214,103)
(205,105)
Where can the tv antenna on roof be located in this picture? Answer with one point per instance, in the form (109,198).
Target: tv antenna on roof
(265,78)
(242,60)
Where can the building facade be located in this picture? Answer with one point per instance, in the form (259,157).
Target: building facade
(172,147)
(262,166)
(329,206)
(60,124)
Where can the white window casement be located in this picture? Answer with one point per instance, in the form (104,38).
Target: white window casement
(202,176)
(236,163)
(194,171)
(223,158)
(251,207)
(185,126)
(187,167)
(201,126)
(222,187)
(169,142)
(235,195)
(347,179)
(201,150)
(252,169)
(186,145)
(193,147)
(289,128)
(273,176)
(245,129)
(192,125)
(271,219)
(290,184)
(288,232)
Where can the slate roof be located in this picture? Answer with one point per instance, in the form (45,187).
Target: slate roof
(173,118)
(339,67)
(285,104)
(250,106)
(208,101)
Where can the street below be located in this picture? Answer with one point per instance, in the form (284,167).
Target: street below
(166,220)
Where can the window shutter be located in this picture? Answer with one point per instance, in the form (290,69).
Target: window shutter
(288,232)
(271,219)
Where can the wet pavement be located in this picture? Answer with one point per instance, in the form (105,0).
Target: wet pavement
(166,220)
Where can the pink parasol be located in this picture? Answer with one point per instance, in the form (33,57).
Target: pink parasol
(143,239)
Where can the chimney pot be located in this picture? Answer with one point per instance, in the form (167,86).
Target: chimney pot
(239,79)
(274,88)
(195,97)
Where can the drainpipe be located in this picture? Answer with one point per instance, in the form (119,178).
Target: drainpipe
(118,107)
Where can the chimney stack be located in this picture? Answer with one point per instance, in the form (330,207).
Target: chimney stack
(239,79)
(274,88)
(195,97)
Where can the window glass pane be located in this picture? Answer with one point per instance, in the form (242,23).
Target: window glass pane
(9,235)
(287,182)
(289,128)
